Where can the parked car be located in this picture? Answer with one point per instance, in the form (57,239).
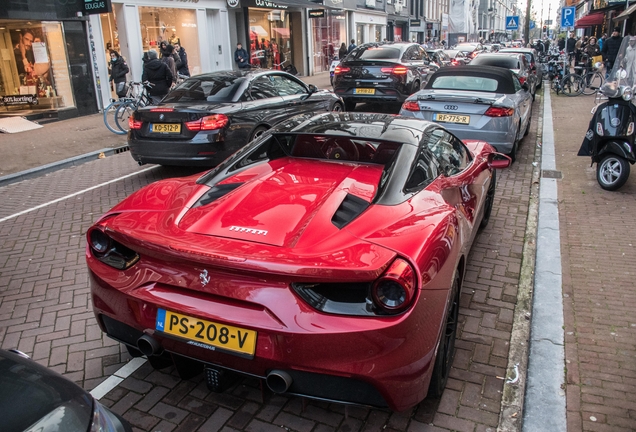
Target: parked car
(476,102)
(470,49)
(208,117)
(457,57)
(34,398)
(382,72)
(513,61)
(533,59)
(439,57)
(325,258)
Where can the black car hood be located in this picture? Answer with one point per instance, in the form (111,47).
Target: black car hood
(30,392)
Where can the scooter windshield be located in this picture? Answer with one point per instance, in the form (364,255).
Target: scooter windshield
(622,77)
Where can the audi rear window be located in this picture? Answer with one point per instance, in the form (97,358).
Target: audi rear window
(471,83)
(206,89)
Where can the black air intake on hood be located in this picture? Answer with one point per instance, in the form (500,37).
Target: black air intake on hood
(215,193)
(350,208)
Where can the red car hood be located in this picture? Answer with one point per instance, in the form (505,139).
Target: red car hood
(283,203)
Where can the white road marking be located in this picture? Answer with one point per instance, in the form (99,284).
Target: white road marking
(113,381)
(15,215)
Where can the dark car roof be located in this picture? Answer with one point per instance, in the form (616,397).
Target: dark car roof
(504,77)
(504,60)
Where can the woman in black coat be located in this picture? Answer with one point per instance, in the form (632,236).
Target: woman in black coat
(118,71)
(159,75)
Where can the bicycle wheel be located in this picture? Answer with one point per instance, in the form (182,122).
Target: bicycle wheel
(110,116)
(572,85)
(593,82)
(122,115)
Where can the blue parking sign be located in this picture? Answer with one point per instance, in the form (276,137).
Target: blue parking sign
(512,22)
(567,16)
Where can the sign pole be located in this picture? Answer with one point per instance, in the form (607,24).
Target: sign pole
(526,28)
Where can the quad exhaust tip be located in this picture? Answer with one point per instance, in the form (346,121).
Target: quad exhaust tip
(278,381)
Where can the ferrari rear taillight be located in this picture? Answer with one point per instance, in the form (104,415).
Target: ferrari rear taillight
(341,70)
(397,70)
(208,123)
(110,252)
(499,112)
(411,106)
(395,289)
(134,124)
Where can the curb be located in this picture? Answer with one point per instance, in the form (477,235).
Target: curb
(66,163)
(513,394)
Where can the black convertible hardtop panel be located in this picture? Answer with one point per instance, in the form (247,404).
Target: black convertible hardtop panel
(505,77)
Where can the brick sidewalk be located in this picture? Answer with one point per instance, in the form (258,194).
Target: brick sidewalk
(45,311)
(598,246)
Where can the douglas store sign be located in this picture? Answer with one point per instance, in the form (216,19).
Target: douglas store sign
(96,7)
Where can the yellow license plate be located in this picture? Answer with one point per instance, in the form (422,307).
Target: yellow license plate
(364,91)
(165,127)
(207,334)
(452,118)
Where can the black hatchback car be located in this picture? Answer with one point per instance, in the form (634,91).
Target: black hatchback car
(208,117)
(378,72)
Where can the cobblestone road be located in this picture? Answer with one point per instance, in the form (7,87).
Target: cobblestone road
(45,311)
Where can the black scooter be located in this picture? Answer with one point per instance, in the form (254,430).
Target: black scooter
(609,140)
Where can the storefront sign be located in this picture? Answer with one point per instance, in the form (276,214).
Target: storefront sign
(31,99)
(316,13)
(91,7)
(269,4)
(233,3)
(416,23)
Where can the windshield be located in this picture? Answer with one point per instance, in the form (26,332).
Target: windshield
(624,71)
(217,88)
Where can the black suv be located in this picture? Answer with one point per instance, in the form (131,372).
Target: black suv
(382,72)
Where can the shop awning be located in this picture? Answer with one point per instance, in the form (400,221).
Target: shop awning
(590,20)
(284,32)
(626,13)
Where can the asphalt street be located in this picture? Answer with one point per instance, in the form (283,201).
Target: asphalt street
(45,307)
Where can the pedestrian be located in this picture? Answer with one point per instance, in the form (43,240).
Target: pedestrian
(630,60)
(182,68)
(610,49)
(570,46)
(342,52)
(240,57)
(158,75)
(561,43)
(352,46)
(601,41)
(168,60)
(118,71)
(592,50)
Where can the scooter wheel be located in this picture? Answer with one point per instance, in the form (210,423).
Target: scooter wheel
(612,172)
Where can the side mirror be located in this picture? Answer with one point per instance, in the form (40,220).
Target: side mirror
(498,161)
(312,88)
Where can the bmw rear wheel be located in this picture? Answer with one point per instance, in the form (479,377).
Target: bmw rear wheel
(349,106)
(612,172)
(446,349)
(260,130)
(337,107)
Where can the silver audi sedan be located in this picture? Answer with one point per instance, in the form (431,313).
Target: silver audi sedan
(476,102)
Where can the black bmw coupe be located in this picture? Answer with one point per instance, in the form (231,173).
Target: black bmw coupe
(208,117)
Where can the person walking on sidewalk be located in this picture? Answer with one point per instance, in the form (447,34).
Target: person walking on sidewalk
(168,60)
(240,57)
(118,71)
(352,46)
(159,75)
(182,68)
(610,50)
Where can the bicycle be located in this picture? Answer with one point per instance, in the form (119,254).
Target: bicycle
(592,78)
(570,84)
(116,115)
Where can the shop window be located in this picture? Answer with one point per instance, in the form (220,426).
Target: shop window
(34,69)
(171,26)
(328,33)
(270,38)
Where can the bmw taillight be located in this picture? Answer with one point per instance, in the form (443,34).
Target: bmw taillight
(411,106)
(499,112)
(161,109)
(395,289)
(134,124)
(207,123)
(397,70)
(109,251)
(341,70)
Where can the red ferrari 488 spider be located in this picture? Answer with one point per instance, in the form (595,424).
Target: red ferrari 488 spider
(325,258)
